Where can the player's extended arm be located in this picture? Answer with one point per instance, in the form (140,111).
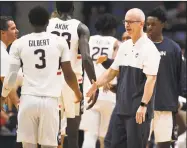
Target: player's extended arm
(84,35)
(71,79)
(105,78)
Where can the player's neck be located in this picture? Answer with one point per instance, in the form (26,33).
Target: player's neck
(108,33)
(39,29)
(65,16)
(158,38)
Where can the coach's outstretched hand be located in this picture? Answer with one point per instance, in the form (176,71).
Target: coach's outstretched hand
(93,93)
(78,97)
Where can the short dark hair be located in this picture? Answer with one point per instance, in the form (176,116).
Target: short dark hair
(38,16)
(64,6)
(105,23)
(158,13)
(4,22)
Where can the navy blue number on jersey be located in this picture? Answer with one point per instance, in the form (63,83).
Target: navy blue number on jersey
(97,51)
(67,36)
(42,58)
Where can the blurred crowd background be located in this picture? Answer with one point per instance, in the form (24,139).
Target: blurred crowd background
(88,11)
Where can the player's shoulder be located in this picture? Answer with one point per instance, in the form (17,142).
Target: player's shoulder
(54,20)
(112,39)
(76,20)
(94,37)
(172,43)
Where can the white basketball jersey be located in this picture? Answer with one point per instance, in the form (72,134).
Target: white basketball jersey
(100,45)
(41,54)
(68,29)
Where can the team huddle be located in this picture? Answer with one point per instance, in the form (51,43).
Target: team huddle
(117,91)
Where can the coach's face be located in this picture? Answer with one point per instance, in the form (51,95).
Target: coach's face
(153,26)
(11,33)
(133,24)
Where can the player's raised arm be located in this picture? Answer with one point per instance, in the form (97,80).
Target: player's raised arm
(69,74)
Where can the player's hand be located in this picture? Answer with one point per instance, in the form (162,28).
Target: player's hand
(93,99)
(92,90)
(140,114)
(101,59)
(92,93)
(78,97)
(107,87)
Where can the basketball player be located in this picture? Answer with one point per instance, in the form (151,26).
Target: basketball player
(77,36)
(95,121)
(168,80)
(41,53)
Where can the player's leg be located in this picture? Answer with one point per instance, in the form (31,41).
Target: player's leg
(73,131)
(90,140)
(49,122)
(90,123)
(46,146)
(29,145)
(163,128)
(63,129)
(28,121)
(59,140)
(150,142)
(101,140)
(108,137)
(106,108)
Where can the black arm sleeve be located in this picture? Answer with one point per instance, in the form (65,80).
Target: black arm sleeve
(106,64)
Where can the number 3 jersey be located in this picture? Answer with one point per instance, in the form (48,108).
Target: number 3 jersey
(40,54)
(68,30)
(100,45)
